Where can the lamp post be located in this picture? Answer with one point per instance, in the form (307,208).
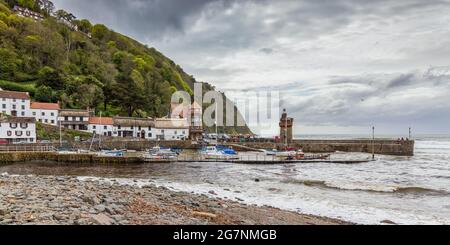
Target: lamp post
(373,143)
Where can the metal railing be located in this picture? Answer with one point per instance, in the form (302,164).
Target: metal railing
(27,148)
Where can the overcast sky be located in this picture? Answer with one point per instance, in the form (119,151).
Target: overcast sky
(340,66)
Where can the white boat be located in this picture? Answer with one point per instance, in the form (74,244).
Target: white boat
(212,152)
(160,153)
(114,153)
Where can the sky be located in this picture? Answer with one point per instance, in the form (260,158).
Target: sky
(338,67)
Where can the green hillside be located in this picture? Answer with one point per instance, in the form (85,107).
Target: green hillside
(92,66)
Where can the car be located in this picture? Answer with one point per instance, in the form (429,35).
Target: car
(3,142)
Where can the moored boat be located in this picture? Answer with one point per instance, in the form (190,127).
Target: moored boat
(218,153)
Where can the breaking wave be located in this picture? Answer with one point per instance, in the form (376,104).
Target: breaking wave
(368,187)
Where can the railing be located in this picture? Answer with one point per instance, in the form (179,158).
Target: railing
(27,148)
(262,158)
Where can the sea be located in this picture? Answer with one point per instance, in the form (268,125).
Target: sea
(392,189)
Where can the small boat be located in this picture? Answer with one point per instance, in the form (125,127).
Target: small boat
(161,153)
(219,153)
(290,154)
(113,153)
(270,152)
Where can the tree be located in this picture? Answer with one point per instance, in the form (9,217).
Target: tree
(100,31)
(88,96)
(84,25)
(8,64)
(44,94)
(50,77)
(128,96)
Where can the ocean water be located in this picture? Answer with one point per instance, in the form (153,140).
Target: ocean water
(404,190)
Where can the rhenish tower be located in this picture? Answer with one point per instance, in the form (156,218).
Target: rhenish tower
(286,124)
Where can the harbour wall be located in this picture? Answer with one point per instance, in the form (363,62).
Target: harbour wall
(382,147)
(20,157)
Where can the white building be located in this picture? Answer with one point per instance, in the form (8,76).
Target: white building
(18,129)
(45,112)
(193,113)
(16,104)
(172,128)
(128,127)
(24,12)
(101,126)
(74,119)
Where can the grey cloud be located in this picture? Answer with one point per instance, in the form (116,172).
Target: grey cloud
(367,84)
(402,80)
(266,50)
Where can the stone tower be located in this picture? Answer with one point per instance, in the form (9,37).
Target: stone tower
(286,124)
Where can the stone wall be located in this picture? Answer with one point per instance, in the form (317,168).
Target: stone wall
(383,147)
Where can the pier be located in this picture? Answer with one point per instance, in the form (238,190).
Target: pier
(377,146)
(92,158)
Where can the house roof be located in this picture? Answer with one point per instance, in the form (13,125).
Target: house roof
(74,113)
(45,106)
(165,123)
(14,95)
(101,120)
(17,120)
(132,121)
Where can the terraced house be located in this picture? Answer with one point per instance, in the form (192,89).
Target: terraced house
(45,112)
(16,104)
(18,129)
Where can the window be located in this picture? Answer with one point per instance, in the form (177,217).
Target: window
(46,120)
(81,119)
(4,99)
(52,114)
(23,101)
(43,114)
(40,120)
(184,132)
(14,100)
(34,113)
(14,107)
(149,135)
(105,134)
(23,107)
(74,118)
(176,132)
(149,128)
(28,133)
(105,127)
(23,113)
(119,127)
(13,125)
(53,121)
(66,118)
(24,125)
(94,127)
(9,133)
(162,131)
(19,133)
(132,127)
(139,128)
(4,106)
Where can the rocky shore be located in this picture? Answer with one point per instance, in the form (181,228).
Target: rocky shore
(71,201)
